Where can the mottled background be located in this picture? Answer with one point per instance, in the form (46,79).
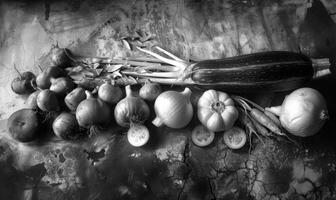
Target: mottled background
(106,166)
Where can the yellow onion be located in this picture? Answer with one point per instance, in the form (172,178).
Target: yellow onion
(131,110)
(109,93)
(61,86)
(73,99)
(47,101)
(66,126)
(173,109)
(303,112)
(150,91)
(93,112)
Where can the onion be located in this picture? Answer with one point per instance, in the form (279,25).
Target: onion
(47,101)
(173,109)
(23,125)
(61,86)
(31,102)
(66,126)
(93,112)
(43,80)
(150,91)
(73,99)
(303,112)
(109,93)
(59,57)
(131,110)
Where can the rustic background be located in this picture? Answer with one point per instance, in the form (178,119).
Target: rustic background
(171,167)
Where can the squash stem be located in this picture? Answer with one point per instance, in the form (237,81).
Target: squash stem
(321,67)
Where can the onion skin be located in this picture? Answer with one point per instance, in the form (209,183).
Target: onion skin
(61,86)
(73,99)
(173,109)
(60,58)
(150,91)
(65,126)
(131,110)
(109,93)
(303,112)
(24,84)
(43,80)
(93,112)
(47,101)
(31,102)
(23,125)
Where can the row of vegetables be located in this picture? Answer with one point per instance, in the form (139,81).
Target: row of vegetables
(74,110)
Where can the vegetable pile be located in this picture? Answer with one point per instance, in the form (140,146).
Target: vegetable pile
(86,93)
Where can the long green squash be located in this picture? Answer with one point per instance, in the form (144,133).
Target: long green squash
(266,71)
(257,72)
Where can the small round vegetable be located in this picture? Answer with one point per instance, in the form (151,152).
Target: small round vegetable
(303,112)
(66,126)
(235,138)
(31,102)
(60,58)
(43,80)
(61,86)
(173,109)
(110,93)
(138,135)
(23,125)
(73,99)
(47,101)
(150,91)
(93,112)
(24,83)
(216,110)
(201,136)
(131,109)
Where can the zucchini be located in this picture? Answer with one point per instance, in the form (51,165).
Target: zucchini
(266,71)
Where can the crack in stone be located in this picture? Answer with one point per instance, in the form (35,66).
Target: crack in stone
(211,189)
(185,160)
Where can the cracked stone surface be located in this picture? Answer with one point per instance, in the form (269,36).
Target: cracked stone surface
(170,166)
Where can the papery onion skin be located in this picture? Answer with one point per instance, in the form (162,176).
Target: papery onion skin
(131,110)
(66,126)
(150,91)
(31,102)
(303,112)
(60,58)
(93,112)
(47,101)
(61,86)
(73,99)
(173,109)
(109,93)
(43,80)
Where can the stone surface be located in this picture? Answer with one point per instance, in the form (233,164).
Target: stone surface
(105,166)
